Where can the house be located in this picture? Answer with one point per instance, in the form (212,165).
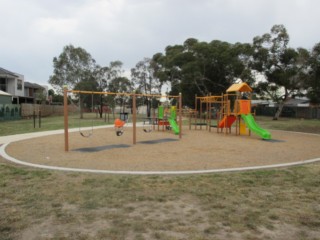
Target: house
(33,92)
(8,111)
(5,98)
(12,83)
(21,91)
(297,102)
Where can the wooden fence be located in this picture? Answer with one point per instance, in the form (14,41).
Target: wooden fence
(27,110)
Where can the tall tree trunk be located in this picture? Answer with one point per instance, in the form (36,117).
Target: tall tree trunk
(281,105)
(148,107)
(279,111)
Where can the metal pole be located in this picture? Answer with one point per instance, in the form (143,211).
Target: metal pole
(180,115)
(196,112)
(34,118)
(39,118)
(134,118)
(65,113)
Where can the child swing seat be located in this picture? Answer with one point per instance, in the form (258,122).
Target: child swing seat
(118,124)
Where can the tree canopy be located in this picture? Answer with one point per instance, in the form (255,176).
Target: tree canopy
(279,64)
(73,66)
(202,68)
(146,80)
(312,75)
(198,67)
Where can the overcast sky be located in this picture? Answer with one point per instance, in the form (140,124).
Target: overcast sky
(34,31)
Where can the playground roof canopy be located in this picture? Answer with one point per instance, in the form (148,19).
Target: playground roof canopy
(239,87)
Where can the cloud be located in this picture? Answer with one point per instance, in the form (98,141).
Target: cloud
(35,31)
(54,26)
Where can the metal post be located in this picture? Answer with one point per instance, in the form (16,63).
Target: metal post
(196,112)
(65,113)
(134,118)
(39,118)
(180,115)
(34,118)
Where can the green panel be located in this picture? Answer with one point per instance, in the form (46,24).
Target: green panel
(160,112)
(173,112)
(5,99)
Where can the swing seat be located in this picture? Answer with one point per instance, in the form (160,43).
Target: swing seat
(119,133)
(86,135)
(147,130)
(118,123)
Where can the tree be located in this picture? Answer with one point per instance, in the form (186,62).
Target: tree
(312,75)
(144,75)
(104,76)
(87,101)
(279,64)
(72,66)
(78,70)
(203,68)
(55,98)
(40,96)
(120,85)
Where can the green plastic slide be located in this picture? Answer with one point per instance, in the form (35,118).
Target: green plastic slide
(174,125)
(254,127)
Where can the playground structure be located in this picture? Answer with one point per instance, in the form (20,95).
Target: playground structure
(232,107)
(119,124)
(167,118)
(192,155)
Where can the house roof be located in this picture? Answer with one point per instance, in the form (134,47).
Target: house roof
(7,73)
(239,87)
(2,93)
(32,85)
(296,101)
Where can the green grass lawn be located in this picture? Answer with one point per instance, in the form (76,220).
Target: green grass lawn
(50,123)
(290,124)
(265,204)
(56,122)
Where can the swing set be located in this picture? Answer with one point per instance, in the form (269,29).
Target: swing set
(82,133)
(78,105)
(119,124)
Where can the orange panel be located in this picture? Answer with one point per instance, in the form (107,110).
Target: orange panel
(245,106)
